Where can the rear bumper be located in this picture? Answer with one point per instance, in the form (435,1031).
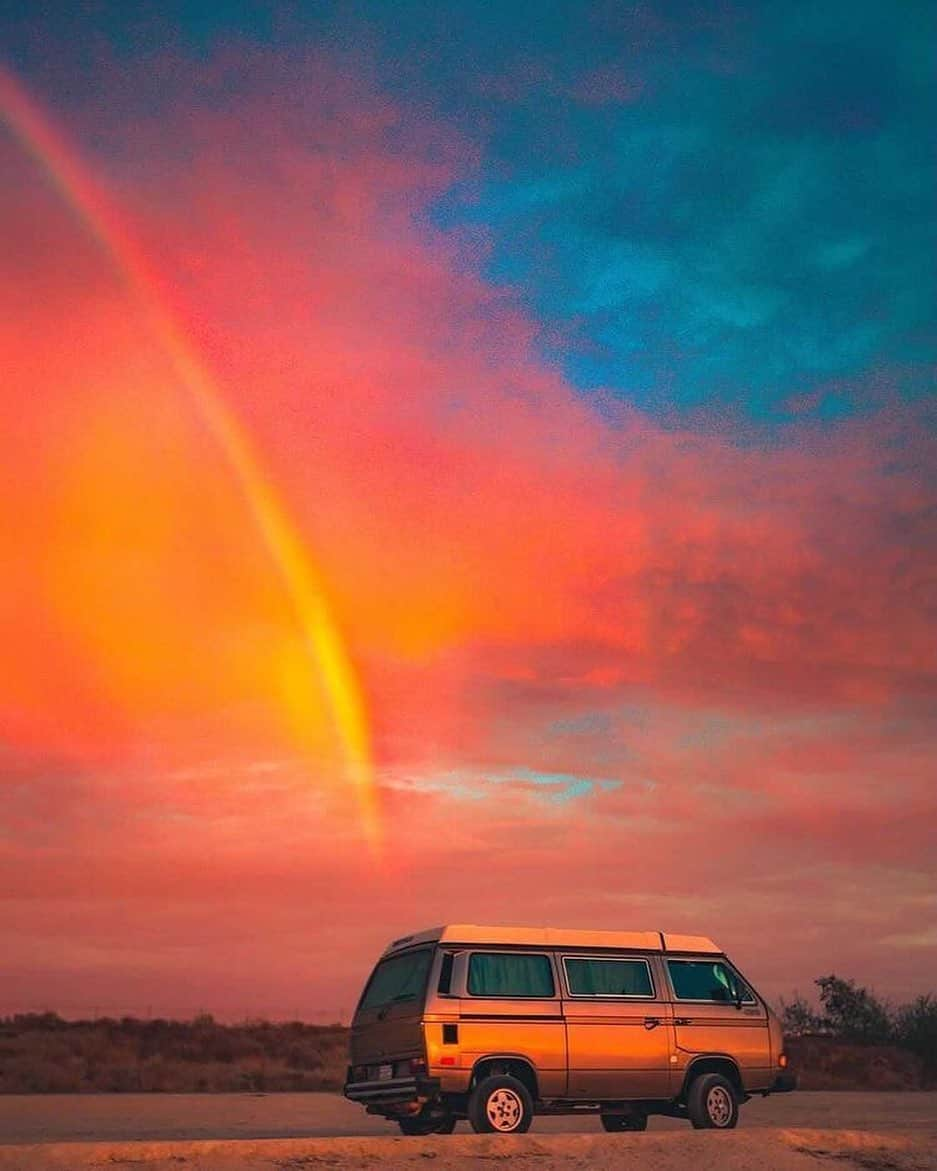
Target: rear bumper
(784,1083)
(393,1091)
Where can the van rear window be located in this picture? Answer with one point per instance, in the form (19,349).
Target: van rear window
(502,974)
(397,979)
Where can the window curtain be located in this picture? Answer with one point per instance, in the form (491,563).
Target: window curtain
(493,974)
(607,978)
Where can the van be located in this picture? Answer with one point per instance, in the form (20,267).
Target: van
(497,1024)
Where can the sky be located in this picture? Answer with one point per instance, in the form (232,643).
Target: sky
(463,463)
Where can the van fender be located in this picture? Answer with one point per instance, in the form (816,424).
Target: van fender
(513,1064)
(714,1063)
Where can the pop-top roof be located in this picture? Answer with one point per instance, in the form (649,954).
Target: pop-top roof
(472,933)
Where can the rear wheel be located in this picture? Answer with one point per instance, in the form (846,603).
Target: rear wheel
(631,1120)
(500,1105)
(712,1103)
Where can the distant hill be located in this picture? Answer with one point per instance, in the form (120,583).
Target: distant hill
(42,1053)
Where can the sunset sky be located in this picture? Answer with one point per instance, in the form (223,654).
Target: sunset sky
(463,462)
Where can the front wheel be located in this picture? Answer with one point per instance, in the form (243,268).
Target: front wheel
(500,1105)
(712,1103)
(615,1123)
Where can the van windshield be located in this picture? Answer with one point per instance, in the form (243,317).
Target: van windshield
(397,979)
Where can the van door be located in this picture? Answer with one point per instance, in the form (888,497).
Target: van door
(388,1022)
(618,1028)
(716,1012)
(510,1006)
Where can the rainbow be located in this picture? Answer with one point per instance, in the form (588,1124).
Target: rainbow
(320,632)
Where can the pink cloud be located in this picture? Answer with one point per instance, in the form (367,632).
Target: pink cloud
(741,634)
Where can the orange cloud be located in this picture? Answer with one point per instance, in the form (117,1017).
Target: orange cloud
(741,633)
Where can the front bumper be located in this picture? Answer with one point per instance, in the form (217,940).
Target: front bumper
(784,1083)
(393,1090)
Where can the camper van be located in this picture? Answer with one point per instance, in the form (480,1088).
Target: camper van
(497,1024)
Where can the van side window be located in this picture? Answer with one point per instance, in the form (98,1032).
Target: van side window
(445,974)
(505,974)
(709,980)
(590,976)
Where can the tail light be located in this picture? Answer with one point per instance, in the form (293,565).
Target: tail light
(782,1060)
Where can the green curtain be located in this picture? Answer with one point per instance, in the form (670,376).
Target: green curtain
(498,974)
(608,977)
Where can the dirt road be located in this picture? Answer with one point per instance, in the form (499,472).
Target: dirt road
(290,1132)
(752,1150)
(41,1118)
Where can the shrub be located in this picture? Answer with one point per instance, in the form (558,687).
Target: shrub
(854,1014)
(798,1018)
(916,1030)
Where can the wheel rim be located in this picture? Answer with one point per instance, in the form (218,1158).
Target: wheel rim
(719,1106)
(504,1109)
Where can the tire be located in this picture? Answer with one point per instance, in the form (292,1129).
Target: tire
(615,1123)
(423,1126)
(712,1103)
(500,1105)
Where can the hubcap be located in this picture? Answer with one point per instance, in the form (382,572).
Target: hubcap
(719,1106)
(504,1109)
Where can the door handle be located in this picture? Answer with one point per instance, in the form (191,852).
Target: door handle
(682,1020)
(651,1022)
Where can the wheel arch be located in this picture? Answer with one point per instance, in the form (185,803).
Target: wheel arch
(713,1063)
(512,1064)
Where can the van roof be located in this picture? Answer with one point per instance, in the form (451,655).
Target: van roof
(469,933)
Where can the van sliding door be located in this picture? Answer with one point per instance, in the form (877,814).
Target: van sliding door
(510,1006)
(617,1026)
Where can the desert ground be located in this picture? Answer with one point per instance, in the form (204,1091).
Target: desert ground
(289,1132)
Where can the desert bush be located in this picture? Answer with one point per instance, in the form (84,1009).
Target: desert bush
(858,1039)
(854,1014)
(43,1053)
(798,1018)
(833,1046)
(824,1063)
(916,1030)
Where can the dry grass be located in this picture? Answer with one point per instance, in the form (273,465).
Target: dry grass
(824,1063)
(41,1053)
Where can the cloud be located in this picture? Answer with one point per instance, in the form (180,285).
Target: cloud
(712,643)
(757,222)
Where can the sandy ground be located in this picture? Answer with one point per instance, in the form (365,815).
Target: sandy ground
(753,1150)
(289,1132)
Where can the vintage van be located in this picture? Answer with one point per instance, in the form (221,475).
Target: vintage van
(497,1024)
